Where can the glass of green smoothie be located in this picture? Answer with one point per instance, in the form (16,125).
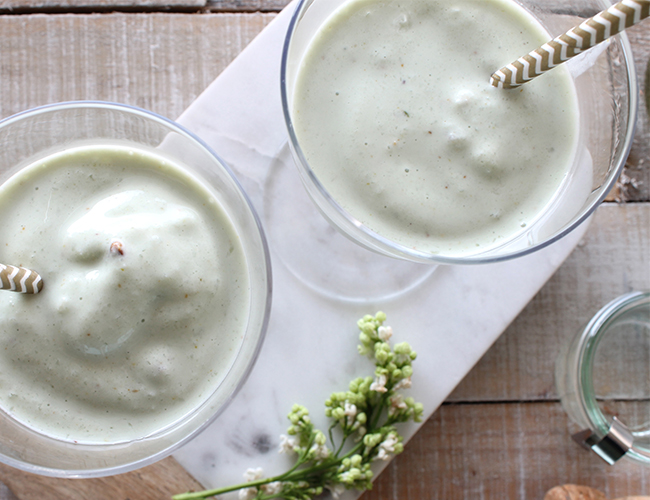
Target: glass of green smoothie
(406,148)
(156,296)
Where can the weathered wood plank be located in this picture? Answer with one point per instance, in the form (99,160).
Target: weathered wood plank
(613,258)
(634,185)
(211,5)
(89,5)
(503,451)
(155,482)
(247,5)
(138,59)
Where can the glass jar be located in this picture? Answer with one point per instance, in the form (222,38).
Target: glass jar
(602,376)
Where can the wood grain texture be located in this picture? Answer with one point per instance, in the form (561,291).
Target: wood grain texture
(634,185)
(6,493)
(101,5)
(247,5)
(160,62)
(155,482)
(514,451)
(133,5)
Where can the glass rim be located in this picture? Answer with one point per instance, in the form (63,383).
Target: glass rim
(395,249)
(587,346)
(259,333)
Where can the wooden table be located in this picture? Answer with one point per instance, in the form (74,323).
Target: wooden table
(502,434)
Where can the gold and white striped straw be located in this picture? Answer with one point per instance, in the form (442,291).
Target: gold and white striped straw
(19,279)
(588,34)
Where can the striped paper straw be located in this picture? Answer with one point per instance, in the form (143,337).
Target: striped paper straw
(19,279)
(591,32)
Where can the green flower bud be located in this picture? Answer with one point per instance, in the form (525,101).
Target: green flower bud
(319,438)
(402,348)
(372,440)
(383,346)
(418,410)
(381,357)
(368,329)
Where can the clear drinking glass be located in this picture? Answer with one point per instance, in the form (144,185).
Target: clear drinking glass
(607,97)
(34,134)
(603,379)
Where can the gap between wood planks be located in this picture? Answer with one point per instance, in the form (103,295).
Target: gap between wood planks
(27,7)
(539,401)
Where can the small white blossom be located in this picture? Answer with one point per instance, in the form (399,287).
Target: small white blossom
(405,383)
(288,444)
(384,333)
(379,385)
(272,488)
(319,451)
(350,411)
(346,477)
(253,474)
(386,447)
(396,403)
(247,493)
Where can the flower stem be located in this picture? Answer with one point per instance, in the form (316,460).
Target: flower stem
(378,410)
(302,474)
(196,495)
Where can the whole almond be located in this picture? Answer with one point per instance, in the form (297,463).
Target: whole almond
(574,492)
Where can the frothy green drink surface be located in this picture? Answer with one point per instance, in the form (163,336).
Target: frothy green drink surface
(145,300)
(395,115)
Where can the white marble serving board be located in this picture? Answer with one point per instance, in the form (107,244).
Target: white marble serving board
(451,318)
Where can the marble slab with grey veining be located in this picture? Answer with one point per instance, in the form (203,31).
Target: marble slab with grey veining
(450,315)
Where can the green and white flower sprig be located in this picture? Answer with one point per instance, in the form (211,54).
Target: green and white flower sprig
(364,418)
